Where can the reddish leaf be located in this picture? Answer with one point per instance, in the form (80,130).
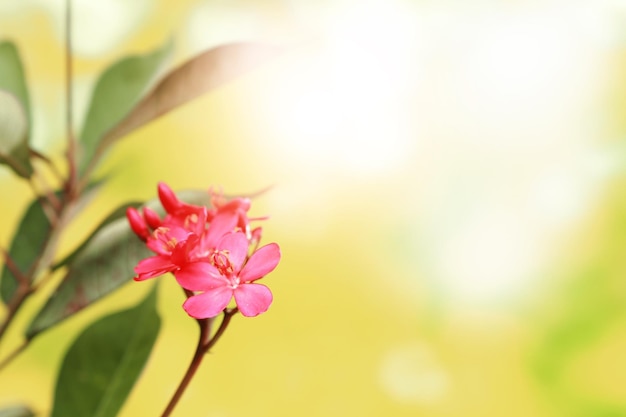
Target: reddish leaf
(194,78)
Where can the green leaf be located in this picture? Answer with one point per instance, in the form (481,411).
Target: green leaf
(26,248)
(101,265)
(196,77)
(31,238)
(17,411)
(117,214)
(12,75)
(117,91)
(14,112)
(104,362)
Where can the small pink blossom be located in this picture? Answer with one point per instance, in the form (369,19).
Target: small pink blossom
(207,250)
(230,273)
(173,247)
(137,223)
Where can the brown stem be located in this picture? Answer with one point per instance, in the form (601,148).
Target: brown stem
(26,281)
(71,187)
(21,294)
(13,268)
(60,214)
(205,343)
(53,168)
(47,192)
(49,203)
(193,366)
(228,314)
(14,354)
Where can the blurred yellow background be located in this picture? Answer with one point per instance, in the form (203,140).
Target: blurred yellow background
(448,190)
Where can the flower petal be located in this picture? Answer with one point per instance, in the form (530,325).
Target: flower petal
(200,276)
(152,218)
(253,299)
(237,246)
(208,304)
(261,263)
(137,223)
(221,224)
(152,267)
(169,201)
(181,252)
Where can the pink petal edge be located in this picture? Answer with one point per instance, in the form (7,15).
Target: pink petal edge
(208,304)
(253,299)
(237,246)
(261,263)
(200,276)
(152,267)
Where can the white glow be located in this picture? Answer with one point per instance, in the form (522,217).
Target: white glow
(215,23)
(493,240)
(488,255)
(12,6)
(515,78)
(512,115)
(348,117)
(412,374)
(98,26)
(500,101)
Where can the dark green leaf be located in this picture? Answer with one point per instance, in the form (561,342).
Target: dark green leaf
(194,78)
(117,91)
(31,238)
(26,248)
(17,411)
(103,364)
(102,265)
(14,112)
(117,214)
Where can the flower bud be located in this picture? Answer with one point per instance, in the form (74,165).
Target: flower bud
(137,223)
(151,217)
(168,199)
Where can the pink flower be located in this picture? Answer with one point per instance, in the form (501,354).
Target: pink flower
(173,247)
(229,273)
(207,251)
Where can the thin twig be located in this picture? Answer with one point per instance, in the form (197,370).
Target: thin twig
(21,348)
(22,291)
(50,204)
(17,300)
(13,268)
(228,314)
(191,370)
(44,280)
(53,168)
(48,192)
(205,343)
(72,180)
(57,219)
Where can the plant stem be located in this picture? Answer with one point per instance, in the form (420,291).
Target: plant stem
(58,216)
(55,171)
(22,292)
(205,343)
(193,367)
(72,179)
(13,268)
(15,353)
(228,314)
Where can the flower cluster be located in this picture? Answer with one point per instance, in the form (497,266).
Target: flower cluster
(213,253)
